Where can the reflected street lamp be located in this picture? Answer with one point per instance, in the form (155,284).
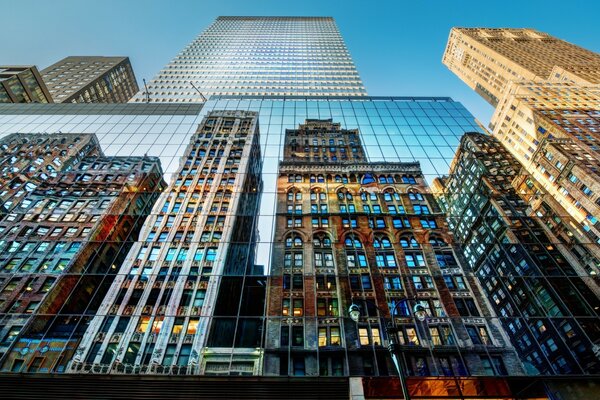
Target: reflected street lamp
(419,312)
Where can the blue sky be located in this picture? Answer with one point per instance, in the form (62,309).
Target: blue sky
(397,45)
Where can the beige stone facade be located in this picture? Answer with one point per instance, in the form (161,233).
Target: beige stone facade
(489,59)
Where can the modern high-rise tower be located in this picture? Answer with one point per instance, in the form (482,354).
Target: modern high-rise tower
(280,56)
(488,59)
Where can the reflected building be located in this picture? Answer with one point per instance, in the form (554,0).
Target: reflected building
(70,213)
(349,231)
(22,84)
(185,299)
(547,301)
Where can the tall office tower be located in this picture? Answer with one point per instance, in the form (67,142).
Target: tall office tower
(489,59)
(91,79)
(349,231)
(189,267)
(61,243)
(22,84)
(283,56)
(548,303)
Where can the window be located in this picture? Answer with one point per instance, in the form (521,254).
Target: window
(369,336)
(327,307)
(422,282)
(325,282)
(414,260)
(329,336)
(392,282)
(466,307)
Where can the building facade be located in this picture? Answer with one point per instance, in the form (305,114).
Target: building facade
(552,130)
(91,79)
(170,309)
(22,84)
(547,301)
(488,59)
(62,240)
(276,56)
(349,231)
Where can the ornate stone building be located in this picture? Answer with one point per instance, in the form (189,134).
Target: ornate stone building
(353,232)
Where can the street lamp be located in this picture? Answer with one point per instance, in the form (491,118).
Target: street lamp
(392,330)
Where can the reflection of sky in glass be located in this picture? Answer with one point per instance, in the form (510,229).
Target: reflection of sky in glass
(392,129)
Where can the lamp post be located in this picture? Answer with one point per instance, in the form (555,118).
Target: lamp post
(392,330)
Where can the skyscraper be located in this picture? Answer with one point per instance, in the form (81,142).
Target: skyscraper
(279,56)
(91,79)
(326,188)
(349,231)
(488,59)
(547,109)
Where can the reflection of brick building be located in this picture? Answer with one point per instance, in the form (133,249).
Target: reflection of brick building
(71,214)
(352,231)
(186,299)
(548,304)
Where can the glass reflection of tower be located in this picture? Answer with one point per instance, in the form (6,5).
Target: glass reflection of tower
(194,262)
(352,231)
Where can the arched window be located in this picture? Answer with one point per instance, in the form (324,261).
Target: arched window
(293,240)
(294,201)
(393,202)
(346,201)
(436,241)
(294,254)
(370,203)
(384,254)
(382,242)
(353,242)
(413,195)
(355,255)
(318,201)
(413,256)
(323,255)
(409,242)
(367,179)
(299,179)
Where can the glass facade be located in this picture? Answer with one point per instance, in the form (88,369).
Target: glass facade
(281,56)
(386,130)
(291,226)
